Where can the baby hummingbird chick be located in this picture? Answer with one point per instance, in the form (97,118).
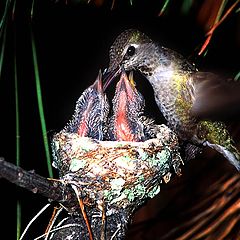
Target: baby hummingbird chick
(91,112)
(128,104)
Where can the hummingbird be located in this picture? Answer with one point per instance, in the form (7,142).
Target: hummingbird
(91,112)
(176,84)
(128,122)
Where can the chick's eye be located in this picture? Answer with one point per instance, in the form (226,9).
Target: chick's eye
(131,51)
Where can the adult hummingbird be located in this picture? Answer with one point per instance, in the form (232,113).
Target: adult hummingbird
(91,112)
(176,84)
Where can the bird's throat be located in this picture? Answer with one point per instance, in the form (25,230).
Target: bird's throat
(123,129)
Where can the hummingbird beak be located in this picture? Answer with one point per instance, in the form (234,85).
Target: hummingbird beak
(108,76)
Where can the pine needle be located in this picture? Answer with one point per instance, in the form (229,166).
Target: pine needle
(16,112)
(17,135)
(218,21)
(164,7)
(33,2)
(40,107)
(220,10)
(13,10)
(19,217)
(2,49)
(4,16)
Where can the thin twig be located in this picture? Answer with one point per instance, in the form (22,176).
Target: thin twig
(55,214)
(81,204)
(59,228)
(33,219)
(103,230)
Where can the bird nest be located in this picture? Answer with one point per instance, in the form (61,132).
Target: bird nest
(118,174)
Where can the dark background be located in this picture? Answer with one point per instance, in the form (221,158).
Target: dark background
(72,42)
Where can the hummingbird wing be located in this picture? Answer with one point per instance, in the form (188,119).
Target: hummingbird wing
(215,98)
(231,153)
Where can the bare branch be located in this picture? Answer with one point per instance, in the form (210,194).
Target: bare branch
(33,182)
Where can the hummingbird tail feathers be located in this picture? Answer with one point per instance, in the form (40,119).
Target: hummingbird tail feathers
(232,155)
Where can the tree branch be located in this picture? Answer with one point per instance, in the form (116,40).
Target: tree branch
(35,183)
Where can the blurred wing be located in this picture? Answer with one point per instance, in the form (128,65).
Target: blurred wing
(215,98)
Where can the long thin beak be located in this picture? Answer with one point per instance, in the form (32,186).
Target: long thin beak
(108,77)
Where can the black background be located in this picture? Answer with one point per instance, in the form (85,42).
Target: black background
(72,42)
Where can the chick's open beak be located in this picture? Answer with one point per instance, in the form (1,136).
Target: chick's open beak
(125,96)
(127,85)
(98,85)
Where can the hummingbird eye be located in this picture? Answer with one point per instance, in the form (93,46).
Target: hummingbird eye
(131,51)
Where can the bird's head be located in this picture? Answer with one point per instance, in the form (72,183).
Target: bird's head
(128,51)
